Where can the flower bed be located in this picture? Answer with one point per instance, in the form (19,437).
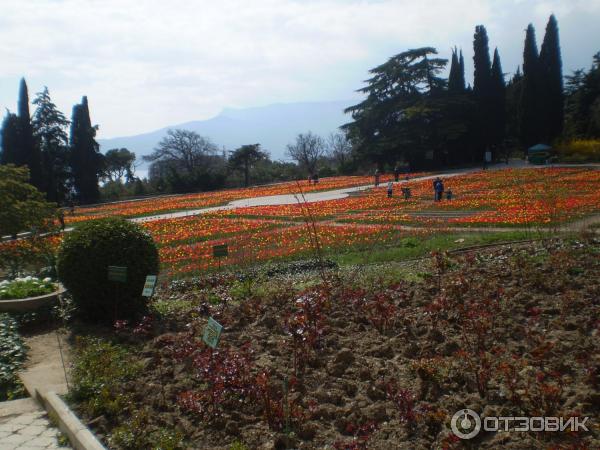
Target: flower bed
(27,294)
(29,286)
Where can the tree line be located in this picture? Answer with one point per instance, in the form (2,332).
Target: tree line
(64,167)
(184,161)
(413,114)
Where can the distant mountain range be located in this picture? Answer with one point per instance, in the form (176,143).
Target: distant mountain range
(273,126)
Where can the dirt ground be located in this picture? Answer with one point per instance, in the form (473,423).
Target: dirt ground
(349,364)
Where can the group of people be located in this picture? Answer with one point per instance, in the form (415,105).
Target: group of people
(406,192)
(438,190)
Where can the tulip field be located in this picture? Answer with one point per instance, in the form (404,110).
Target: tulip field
(497,199)
(170,203)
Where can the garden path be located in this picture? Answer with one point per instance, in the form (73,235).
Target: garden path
(24,425)
(288,199)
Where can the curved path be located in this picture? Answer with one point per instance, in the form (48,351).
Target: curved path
(288,199)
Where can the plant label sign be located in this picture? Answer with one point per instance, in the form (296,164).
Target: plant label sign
(149,286)
(117,273)
(220,251)
(212,333)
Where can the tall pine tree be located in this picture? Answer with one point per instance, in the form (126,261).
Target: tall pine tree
(482,63)
(551,80)
(85,156)
(530,110)
(461,64)
(29,153)
(456,78)
(10,140)
(482,91)
(49,126)
(498,101)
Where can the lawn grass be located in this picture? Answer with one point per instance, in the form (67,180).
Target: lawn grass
(415,247)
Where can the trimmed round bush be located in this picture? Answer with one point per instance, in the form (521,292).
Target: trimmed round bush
(83,260)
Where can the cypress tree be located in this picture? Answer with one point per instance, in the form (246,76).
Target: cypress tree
(10,140)
(27,148)
(498,100)
(85,156)
(483,94)
(529,117)
(482,63)
(461,63)
(513,100)
(453,75)
(552,83)
(456,78)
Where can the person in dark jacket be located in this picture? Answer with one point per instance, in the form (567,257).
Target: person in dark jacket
(438,189)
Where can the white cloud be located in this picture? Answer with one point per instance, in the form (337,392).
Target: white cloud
(150,63)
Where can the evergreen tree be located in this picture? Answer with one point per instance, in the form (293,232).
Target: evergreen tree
(461,63)
(551,79)
(582,106)
(86,161)
(482,91)
(530,111)
(454,76)
(10,140)
(244,158)
(482,63)
(49,125)
(408,115)
(513,101)
(28,150)
(498,101)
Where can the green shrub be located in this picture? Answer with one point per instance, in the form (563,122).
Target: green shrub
(99,368)
(12,355)
(579,151)
(83,260)
(136,434)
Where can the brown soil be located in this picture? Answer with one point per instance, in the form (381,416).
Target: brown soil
(509,332)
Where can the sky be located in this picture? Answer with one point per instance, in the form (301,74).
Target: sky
(147,64)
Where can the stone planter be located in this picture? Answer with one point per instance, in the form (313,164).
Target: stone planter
(30,303)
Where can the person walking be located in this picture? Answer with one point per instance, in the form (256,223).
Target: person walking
(390,187)
(438,189)
(396,173)
(377,175)
(61,218)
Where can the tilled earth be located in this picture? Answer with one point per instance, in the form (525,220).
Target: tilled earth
(344,364)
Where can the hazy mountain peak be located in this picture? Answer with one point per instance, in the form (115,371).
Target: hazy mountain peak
(273,126)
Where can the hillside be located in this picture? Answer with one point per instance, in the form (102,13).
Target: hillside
(273,126)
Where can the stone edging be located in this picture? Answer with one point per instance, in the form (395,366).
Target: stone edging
(80,437)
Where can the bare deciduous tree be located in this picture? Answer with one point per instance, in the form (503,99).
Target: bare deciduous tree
(187,148)
(307,150)
(339,148)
